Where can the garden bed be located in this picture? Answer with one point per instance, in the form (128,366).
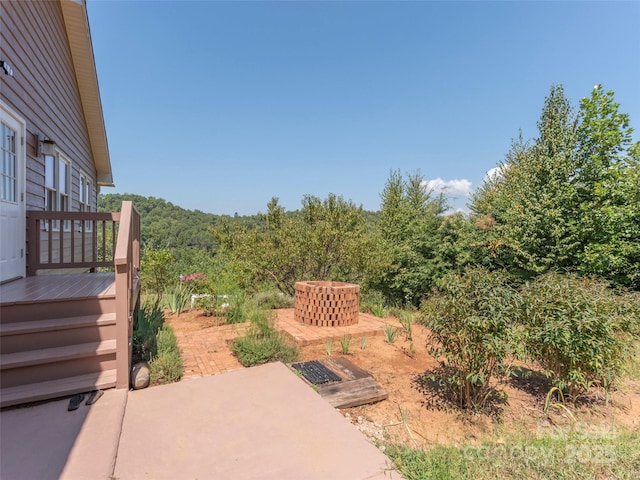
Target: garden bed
(415,414)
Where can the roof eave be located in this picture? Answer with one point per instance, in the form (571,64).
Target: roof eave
(76,23)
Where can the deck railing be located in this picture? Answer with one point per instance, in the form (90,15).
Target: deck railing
(127,264)
(63,240)
(86,241)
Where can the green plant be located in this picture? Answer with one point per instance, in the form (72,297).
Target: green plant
(363,342)
(146,324)
(178,298)
(390,333)
(632,366)
(372,301)
(271,300)
(166,340)
(345,342)
(329,346)
(166,366)
(557,405)
(236,311)
(406,320)
(156,272)
(579,331)
(263,343)
(208,305)
(379,310)
(472,331)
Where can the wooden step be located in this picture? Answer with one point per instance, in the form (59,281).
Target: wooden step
(56,354)
(46,309)
(20,328)
(352,393)
(57,388)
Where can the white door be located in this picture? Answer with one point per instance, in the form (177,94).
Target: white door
(12,212)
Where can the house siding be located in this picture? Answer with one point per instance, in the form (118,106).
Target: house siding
(44,92)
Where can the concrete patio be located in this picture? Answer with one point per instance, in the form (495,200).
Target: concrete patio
(256,423)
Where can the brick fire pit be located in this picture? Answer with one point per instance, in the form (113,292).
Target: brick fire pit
(327,304)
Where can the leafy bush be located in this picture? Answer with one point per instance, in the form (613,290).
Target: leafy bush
(263,343)
(578,330)
(271,300)
(470,317)
(166,368)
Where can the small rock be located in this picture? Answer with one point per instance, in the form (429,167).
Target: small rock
(140,375)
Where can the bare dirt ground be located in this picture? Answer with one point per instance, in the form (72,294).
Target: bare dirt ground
(414,414)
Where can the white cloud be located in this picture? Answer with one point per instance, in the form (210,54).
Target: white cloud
(494,174)
(456,187)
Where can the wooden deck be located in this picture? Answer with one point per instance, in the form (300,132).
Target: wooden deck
(68,331)
(57,287)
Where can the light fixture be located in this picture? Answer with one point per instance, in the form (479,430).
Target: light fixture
(45,146)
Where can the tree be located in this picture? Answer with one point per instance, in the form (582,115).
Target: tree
(156,271)
(326,240)
(409,222)
(608,185)
(568,200)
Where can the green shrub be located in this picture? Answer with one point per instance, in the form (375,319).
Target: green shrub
(178,298)
(166,368)
(472,332)
(236,312)
(579,330)
(271,300)
(263,343)
(145,327)
(155,342)
(166,340)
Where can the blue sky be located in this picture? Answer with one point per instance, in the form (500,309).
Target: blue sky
(219,106)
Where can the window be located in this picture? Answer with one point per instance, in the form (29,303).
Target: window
(86,193)
(57,184)
(8,173)
(85,199)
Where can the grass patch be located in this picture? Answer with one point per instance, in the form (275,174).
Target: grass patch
(597,455)
(263,343)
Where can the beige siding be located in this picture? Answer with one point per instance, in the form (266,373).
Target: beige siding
(44,91)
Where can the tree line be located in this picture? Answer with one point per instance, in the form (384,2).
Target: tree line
(565,201)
